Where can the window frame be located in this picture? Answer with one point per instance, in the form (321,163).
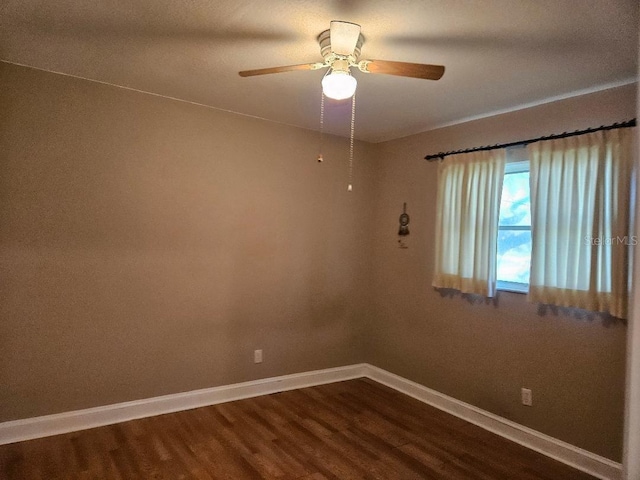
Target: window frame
(518,166)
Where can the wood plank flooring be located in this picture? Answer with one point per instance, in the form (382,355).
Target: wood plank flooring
(357,429)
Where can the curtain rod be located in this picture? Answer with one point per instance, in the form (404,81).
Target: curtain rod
(441,155)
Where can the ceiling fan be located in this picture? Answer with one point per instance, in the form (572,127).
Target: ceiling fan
(340,47)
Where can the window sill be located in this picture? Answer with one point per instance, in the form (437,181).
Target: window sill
(513,287)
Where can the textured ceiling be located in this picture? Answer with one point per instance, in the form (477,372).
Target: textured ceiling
(498,54)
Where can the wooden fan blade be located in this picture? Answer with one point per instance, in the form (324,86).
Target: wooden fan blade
(288,68)
(344,37)
(404,69)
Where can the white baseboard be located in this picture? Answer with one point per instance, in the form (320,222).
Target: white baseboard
(579,458)
(30,428)
(47,425)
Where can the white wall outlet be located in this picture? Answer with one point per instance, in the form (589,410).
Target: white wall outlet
(527,397)
(257,356)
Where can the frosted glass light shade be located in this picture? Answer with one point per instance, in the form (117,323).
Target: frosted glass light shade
(339,85)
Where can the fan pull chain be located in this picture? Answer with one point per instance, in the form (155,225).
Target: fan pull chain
(320,157)
(353,122)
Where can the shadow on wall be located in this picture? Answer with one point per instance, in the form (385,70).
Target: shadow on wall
(471,298)
(543,309)
(606,319)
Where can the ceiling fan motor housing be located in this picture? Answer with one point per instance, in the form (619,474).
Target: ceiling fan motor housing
(340,65)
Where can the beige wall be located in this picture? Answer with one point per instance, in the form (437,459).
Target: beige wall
(483,354)
(148,246)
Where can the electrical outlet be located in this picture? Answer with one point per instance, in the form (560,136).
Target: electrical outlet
(257,356)
(527,397)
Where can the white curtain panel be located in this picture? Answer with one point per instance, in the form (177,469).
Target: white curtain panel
(469,189)
(580,214)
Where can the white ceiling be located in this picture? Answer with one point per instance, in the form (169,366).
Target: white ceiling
(499,54)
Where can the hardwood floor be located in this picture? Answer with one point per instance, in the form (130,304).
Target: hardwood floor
(357,429)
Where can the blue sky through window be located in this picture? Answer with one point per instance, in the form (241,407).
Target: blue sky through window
(514,236)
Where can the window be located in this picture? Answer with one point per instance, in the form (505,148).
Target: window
(514,225)
(579,254)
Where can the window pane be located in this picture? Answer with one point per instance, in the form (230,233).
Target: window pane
(514,205)
(514,255)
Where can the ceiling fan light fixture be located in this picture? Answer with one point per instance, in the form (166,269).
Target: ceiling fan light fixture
(339,85)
